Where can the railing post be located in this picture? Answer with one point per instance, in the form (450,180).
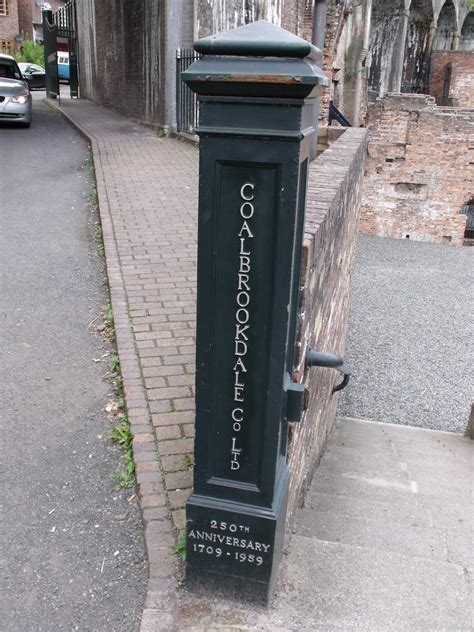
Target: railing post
(256,87)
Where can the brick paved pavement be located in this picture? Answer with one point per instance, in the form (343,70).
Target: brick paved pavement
(147,191)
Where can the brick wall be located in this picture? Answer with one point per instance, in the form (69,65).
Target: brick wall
(25,17)
(419,171)
(127,55)
(9,26)
(452,78)
(333,200)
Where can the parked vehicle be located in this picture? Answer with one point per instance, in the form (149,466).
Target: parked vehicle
(15,97)
(34,74)
(63,66)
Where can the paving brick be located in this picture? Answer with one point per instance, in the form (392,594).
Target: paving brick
(184,404)
(171,392)
(176,446)
(179,519)
(176,462)
(173,418)
(178,498)
(179,480)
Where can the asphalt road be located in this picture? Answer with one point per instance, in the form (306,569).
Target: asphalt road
(71,554)
(410,336)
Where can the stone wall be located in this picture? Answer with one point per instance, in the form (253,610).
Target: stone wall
(452,78)
(333,200)
(419,171)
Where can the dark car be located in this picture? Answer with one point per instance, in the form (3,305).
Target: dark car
(35,75)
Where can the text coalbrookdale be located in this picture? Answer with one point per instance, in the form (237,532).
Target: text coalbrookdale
(242,319)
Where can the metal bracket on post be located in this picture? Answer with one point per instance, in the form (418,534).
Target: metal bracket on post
(330,361)
(294,400)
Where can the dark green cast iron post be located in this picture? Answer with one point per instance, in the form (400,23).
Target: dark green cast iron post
(256,87)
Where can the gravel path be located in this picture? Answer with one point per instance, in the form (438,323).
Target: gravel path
(411,334)
(71,553)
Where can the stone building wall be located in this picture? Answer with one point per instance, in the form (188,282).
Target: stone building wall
(452,78)
(419,170)
(332,207)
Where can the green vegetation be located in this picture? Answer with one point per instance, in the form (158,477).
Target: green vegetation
(109,324)
(115,364)
(31,52)
(122,435)
(180,548)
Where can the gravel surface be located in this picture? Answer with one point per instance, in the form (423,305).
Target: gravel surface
(411,334)
(71,553)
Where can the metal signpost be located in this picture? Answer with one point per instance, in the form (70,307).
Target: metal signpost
(256,87)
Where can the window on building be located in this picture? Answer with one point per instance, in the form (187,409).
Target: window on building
(6,47)
(4,7)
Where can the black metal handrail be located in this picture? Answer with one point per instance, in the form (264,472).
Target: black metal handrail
(330,361)
(337,115)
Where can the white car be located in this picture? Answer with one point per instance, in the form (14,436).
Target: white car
(15,97)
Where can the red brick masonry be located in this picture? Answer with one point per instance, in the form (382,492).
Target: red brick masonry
(419,171)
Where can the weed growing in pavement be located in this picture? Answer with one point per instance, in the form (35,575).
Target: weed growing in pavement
(118,381)
(108,315)
(115,363)
(95,197)
(180,548)
(188,460)
(122,435)
(109,321)
(158,460)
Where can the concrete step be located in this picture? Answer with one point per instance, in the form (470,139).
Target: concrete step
(365,486)
(384,511)
(355,588)
(353,467)
(398,538)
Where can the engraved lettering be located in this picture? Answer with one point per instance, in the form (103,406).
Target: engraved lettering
(240,365)
(237,374)
(245,196)
(243,299)
(243,254)
(238,390)
(242,318)
(234,414)
(244,261)
(245,227)
(244,282)
(240,348)
(247,210)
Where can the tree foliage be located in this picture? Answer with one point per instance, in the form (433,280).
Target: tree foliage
(31,52)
